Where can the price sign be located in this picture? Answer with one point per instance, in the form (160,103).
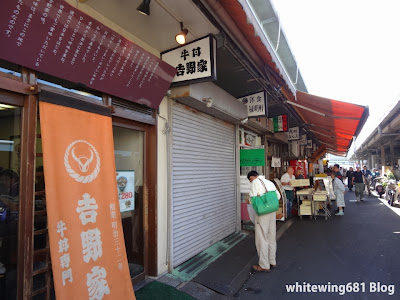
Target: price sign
(126,190)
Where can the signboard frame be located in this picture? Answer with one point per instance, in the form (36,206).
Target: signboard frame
(247,103)
(213,64)
(294,133)
(246,155)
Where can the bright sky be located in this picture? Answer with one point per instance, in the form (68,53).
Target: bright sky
(347,50)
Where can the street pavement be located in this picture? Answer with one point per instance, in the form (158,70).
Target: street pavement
(356,256)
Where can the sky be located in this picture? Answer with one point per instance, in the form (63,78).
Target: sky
(347,50)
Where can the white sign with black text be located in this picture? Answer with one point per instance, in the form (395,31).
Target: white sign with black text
(256,104)
(276,162)
(193,61)
(309,144)
(294,133)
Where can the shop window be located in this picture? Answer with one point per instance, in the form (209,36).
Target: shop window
(68,86)
(11,72)
(129,161)
(10,149)
(10,68)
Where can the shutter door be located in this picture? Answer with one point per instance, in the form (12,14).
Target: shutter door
(203,182)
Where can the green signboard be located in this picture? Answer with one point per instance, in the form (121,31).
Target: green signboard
(252,157)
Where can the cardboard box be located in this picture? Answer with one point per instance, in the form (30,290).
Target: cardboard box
(319,196)
(305,210)
(305,192)
(300,182)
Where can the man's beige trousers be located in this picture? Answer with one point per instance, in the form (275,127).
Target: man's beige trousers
(265,230)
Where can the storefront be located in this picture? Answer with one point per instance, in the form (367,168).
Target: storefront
(24,250)
(25,263)
(204,164)
(203,181)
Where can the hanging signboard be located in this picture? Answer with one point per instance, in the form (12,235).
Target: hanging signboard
(309,144)
(55,38)
(294,133)
(278,123)
(249,139)
(276,162)
(256,104)
(252,157)
(303,140)
(294,148)
(84,223)
(299,164)
(126,190)
(194,62)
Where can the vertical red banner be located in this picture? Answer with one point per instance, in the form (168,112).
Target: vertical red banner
(299,164)
(85,229)
(284,123)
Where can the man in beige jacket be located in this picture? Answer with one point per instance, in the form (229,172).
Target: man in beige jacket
(265,227)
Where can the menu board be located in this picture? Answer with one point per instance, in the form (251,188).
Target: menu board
(126,190)
(53,37)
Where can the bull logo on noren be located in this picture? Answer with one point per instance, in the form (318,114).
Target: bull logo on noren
(84,161)
(84,166)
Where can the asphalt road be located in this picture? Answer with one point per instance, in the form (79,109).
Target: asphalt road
(356,256)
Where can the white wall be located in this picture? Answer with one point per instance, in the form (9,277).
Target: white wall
(162,188)
(96,15)
(162,191)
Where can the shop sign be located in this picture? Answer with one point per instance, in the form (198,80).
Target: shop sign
(249,139)
(245,185)
(276,162)
(126,190)
(309,144)
(303,140)
(194,62)
(294,133)
(252,157)
(278,123)
(299,164)
(294,148)
(55,38)
(84,223)
(256,104)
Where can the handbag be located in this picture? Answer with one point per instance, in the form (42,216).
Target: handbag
(266,203)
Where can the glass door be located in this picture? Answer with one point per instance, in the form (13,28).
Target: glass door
(10,155)
(129,162)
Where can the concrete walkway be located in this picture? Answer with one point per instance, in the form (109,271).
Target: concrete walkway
(360,250)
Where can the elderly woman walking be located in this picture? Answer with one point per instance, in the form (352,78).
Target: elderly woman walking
(338,189)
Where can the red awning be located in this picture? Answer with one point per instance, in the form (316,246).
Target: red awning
(334,123)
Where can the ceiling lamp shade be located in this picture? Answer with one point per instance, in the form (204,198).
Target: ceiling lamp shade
(144,7)
(181,36)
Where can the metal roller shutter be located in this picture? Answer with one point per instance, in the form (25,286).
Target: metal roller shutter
(203,182)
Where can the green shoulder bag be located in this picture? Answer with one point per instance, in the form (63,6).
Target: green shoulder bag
(266,203)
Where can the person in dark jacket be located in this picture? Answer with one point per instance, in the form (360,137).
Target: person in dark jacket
(349,175)
(358,181)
